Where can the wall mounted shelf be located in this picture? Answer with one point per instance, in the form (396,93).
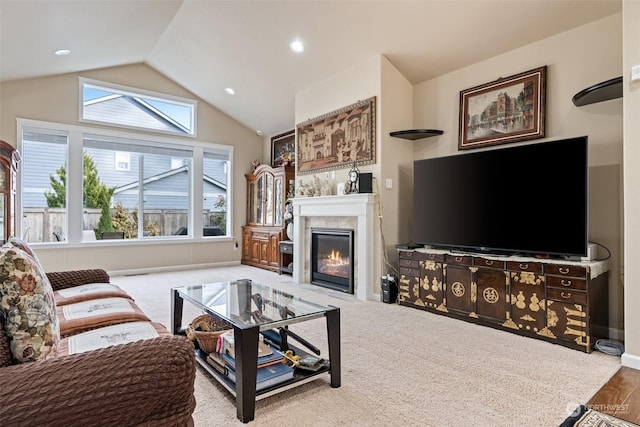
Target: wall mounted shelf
(610,89)
(414,134)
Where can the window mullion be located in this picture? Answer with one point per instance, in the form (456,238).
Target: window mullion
(197,188)
(75,171)
(141,196)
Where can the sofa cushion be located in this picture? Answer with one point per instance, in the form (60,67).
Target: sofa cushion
(96,313)
(88,292)
(110,335)
(5,350)
(27,307)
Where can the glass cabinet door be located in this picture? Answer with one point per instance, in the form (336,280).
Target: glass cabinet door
(3,218)
(278,201)
(268,219)
(252,202)
(259,200)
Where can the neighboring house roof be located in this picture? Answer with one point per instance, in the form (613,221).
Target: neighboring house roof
(132,111)
(165,175)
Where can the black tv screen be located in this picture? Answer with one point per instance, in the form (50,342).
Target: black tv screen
(527,199)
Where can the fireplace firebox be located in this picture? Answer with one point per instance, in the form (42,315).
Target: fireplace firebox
(332,258)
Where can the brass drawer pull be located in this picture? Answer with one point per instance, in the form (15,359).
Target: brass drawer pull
(565,295)
(563,270)
(565,282)
(489,262)
(524,266)
(458,259)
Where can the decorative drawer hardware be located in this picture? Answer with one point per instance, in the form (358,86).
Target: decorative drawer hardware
(567,296)
(532,267)
(459,260)
(491,263)
(567,283)
(412,263)
(566,270)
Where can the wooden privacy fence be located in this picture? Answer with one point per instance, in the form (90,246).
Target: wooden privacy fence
(50,224)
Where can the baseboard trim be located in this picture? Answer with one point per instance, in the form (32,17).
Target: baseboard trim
(630,360)
(165,269)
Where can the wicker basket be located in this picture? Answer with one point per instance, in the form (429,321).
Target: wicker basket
(205,329)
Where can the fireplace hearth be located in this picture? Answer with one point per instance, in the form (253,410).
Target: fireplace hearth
(332,258)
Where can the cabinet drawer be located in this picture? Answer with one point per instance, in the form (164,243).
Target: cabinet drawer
(286,248)
(491,263)
(431,257)
(411,263)
(260,235)
(409,272)
(407,254)
(566,295)
(568,283)
(459,260)
(532,267)
(566,270)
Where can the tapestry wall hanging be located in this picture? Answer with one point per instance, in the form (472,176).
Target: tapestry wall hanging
(338,139)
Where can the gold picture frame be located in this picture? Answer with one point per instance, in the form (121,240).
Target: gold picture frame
(507,110)
(283,149)
(338,139)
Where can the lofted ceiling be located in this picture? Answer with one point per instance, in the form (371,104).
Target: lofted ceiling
(209,45)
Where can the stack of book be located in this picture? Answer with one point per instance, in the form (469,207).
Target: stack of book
(271,367)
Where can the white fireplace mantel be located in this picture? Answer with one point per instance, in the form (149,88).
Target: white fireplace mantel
(360,206)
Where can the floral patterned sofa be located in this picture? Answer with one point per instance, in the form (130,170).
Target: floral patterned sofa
(76,350)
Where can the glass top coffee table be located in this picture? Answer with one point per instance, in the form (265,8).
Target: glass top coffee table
(252,308)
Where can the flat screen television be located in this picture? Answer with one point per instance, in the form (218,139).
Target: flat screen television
(528,199)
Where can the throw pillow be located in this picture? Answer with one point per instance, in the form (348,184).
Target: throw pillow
(96,313)
(110,335)
(27,307)
(88,292)
(23,246)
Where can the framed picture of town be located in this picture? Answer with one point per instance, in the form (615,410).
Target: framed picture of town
(283,149)
(338,139)
(503,111)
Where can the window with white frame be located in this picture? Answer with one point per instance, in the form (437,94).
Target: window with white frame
(122,161)
(123,106)
(152,199)
(44,185)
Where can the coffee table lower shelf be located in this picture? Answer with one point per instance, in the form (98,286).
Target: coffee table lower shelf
(299,377)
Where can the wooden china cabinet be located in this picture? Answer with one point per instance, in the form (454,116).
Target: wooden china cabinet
(9,159)
(267,188)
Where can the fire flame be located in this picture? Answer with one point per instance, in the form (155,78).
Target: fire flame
(335,259)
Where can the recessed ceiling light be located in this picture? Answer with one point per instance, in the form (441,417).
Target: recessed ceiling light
(296,46)
(62,52)
(230,91)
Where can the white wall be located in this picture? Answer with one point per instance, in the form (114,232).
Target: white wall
(55,99)
(575,60)
(631,31)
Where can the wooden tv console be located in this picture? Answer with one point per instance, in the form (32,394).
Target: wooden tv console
(560,301)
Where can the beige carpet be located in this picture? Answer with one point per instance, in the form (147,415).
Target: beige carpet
(400,366)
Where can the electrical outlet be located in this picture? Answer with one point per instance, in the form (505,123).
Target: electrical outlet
(333,174)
